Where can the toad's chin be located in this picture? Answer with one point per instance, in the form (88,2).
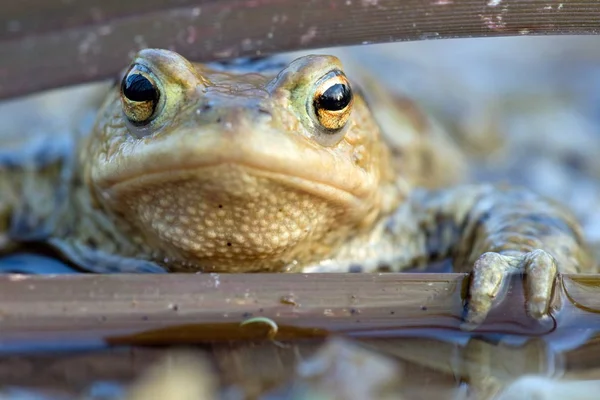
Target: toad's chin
(228,217)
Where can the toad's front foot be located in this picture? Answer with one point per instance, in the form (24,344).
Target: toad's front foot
(490,277)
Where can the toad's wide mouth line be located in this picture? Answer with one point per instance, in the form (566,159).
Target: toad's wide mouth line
(318,188)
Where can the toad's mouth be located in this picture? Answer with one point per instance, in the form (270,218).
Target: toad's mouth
(229,178)
(288,159)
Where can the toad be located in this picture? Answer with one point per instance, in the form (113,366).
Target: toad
(278,168)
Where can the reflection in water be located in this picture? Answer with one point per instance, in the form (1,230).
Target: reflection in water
(337,368)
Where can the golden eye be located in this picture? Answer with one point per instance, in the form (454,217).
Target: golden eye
(140,95)
(332,101)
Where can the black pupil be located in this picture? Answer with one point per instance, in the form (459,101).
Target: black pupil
(136,87)
(335,98)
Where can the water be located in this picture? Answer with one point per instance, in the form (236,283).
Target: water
(416,366)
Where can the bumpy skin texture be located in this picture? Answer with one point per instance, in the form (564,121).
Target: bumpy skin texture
(235,172)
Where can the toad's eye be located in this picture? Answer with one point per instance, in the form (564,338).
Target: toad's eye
(140,95)
(332,101)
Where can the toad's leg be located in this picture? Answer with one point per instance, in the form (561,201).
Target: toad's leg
(488,230)
(497,232)
(33,193)
(42,201)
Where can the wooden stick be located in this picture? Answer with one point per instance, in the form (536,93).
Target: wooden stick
(46,44)
(184,308)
